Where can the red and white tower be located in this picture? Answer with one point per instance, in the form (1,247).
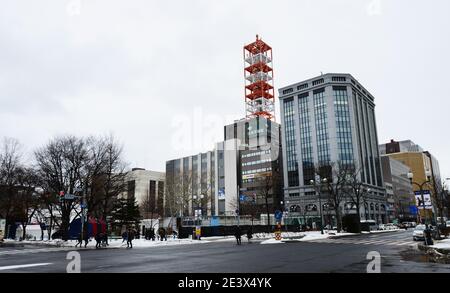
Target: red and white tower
(259,88)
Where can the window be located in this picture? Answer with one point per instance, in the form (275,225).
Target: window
(322,137)
(339,78)
(305,138)
(318,81)
(343,125)
(288,91)
(291,148)
(302,86)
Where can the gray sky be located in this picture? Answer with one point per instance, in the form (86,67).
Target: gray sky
(152,71)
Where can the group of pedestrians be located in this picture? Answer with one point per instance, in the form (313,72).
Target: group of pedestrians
(129,236)
(101,239)
(162,234)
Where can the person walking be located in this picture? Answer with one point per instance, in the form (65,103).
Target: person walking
(237,234)
(130,238)
(98,240)
(249,234)
(152,234)
(124,236)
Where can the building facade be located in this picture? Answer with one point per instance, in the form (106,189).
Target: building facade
(231,176)
(400,199)
(424,167)
(325,120)
(148,189)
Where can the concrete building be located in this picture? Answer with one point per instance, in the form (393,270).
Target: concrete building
(400,196)
(148,189)
(423,165)
(328,119)
(231,175)
(259,165)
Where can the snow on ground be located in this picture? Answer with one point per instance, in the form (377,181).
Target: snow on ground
(444,244)
(114,243)
(304,236)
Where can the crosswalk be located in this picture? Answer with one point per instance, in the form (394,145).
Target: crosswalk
(34,250)
(366,241)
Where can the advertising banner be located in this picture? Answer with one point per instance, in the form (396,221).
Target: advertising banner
(426,198)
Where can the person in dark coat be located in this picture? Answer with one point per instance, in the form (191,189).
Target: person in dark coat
(249,234)
(162,234)
(428,235)
(124,236)
(130,238)
(152,234)
(237,234)
(98,239)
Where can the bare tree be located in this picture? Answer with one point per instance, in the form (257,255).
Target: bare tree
(267,191)
(356,191)
(10,164)
(61,165)
(336,175)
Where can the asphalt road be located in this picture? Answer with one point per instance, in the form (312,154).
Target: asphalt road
(340,255)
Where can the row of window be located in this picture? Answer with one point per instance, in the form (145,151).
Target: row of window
(255,154)
(254,171)
(257,162)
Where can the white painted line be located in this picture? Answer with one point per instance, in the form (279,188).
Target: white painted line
(24,266)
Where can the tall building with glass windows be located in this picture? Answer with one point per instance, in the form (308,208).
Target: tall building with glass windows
(329,119)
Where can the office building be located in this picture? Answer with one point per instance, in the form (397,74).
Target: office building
(326,120)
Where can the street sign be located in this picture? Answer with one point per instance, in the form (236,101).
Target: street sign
(69,196)
(278,215)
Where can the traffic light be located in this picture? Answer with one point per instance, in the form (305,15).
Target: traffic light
(61,196)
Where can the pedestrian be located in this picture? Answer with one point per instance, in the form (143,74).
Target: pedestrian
(152,234)
(130,238)
(174,234)
(162,234)
(124,236)
(98,240)
(105,240)
(80,240)
(237,234)
(249,234)
(428,235)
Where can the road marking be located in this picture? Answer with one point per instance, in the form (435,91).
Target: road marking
(33,250)
(24,266)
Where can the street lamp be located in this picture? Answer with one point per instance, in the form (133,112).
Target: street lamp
(318,190)
(421,185)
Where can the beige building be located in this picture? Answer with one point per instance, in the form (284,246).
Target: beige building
(148,189)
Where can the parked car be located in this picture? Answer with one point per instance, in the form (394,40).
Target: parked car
(390,226)
(419,233)
(448,223)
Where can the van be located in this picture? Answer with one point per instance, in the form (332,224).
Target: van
(369,225)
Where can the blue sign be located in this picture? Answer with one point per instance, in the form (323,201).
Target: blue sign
(215,221)
(278,215)
(413,210)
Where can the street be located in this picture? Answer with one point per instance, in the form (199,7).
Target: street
(344,254)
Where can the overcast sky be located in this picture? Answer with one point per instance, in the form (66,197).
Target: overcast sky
(151,71)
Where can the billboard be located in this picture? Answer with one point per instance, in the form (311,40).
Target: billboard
(425,200)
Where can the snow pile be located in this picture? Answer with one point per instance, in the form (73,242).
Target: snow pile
(444,244)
